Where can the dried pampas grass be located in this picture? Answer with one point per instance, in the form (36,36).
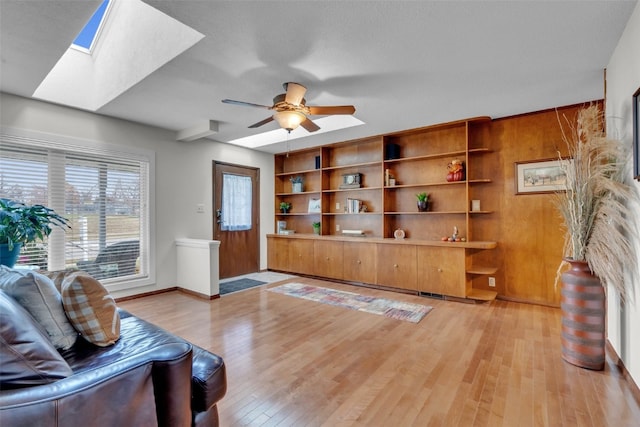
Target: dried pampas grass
(596,206)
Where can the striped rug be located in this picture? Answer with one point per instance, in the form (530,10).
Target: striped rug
(380,306)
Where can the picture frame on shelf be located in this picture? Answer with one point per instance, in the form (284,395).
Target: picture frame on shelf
(636,135)
(539,176)
(315,206)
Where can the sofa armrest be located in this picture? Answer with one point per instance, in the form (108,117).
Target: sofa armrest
(121,391)
(209,379)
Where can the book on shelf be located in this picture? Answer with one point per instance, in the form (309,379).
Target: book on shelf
(353,205)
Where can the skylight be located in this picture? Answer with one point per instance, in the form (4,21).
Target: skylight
(327,124)
(88,34)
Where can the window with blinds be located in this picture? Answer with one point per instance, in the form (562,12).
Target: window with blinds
(104,197)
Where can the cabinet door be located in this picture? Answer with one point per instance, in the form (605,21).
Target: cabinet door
(359,262)
(301,256)
(328,259)
(396,266)
(277,253)
(441,270)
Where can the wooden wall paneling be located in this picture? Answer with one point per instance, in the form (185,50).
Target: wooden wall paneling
(354,152)
(530,237)
(439,139)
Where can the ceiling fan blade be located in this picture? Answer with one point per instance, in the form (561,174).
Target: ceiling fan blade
(262,122)
(245,104)
(295,93)
(309,125)
(327,111)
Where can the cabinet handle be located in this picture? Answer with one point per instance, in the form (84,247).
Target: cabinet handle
(395,265)
(327,258)
(359,262)
(439,270)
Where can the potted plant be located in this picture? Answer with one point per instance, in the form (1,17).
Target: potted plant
(423,202)
(285,206)
(296,184)
(595,209)
(316,227)
(21,224)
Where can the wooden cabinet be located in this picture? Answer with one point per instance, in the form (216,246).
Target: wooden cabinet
(277,254)
(396,266)
(328,259)
(359,262)
(301,256)
(417,159)
(441,271)
(292,255)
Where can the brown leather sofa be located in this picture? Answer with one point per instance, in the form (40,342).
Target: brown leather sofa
(148,377)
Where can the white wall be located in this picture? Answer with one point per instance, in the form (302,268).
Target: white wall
(183,173)
(623,79)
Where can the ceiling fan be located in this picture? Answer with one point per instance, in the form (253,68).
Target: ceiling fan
(291,110)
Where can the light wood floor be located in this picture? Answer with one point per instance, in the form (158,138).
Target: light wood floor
(292,362)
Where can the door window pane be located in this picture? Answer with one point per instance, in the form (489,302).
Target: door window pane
(236,202)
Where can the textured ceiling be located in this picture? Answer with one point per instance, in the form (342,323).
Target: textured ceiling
(402,64)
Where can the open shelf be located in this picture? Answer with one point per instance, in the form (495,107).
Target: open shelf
(482,270)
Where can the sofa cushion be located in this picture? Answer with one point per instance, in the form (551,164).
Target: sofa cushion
(38,295)
(58,276)
(90,308)
(27,357)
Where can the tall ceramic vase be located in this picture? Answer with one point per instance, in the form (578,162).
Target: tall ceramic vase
(583,317)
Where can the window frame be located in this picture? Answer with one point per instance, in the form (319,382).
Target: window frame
(75,145)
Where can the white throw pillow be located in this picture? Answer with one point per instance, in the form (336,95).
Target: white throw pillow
(38,295)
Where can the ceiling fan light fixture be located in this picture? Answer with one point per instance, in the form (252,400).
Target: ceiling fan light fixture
(289,120)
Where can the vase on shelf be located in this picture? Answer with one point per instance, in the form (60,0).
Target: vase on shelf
(582,305)
(423,205)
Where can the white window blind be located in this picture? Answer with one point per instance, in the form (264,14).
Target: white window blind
(236,202)
(105,198)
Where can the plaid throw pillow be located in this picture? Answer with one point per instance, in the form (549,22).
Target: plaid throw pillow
(90,308)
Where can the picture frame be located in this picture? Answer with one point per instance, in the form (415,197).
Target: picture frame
(636,135)
(314,206)
(540,176)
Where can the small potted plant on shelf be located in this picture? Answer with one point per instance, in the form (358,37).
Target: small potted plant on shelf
(423,202)
(285,206)
(296,184)
(316,227)
(21,224)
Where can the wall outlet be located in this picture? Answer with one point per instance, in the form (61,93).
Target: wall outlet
(337,206)
(492,282)
(337,227)
(200,208)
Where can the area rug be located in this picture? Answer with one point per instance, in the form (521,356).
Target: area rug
(238,285)
(381,306)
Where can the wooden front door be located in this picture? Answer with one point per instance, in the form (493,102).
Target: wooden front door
(236,202)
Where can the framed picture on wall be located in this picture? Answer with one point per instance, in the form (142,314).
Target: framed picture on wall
(540,176)
(636,135)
